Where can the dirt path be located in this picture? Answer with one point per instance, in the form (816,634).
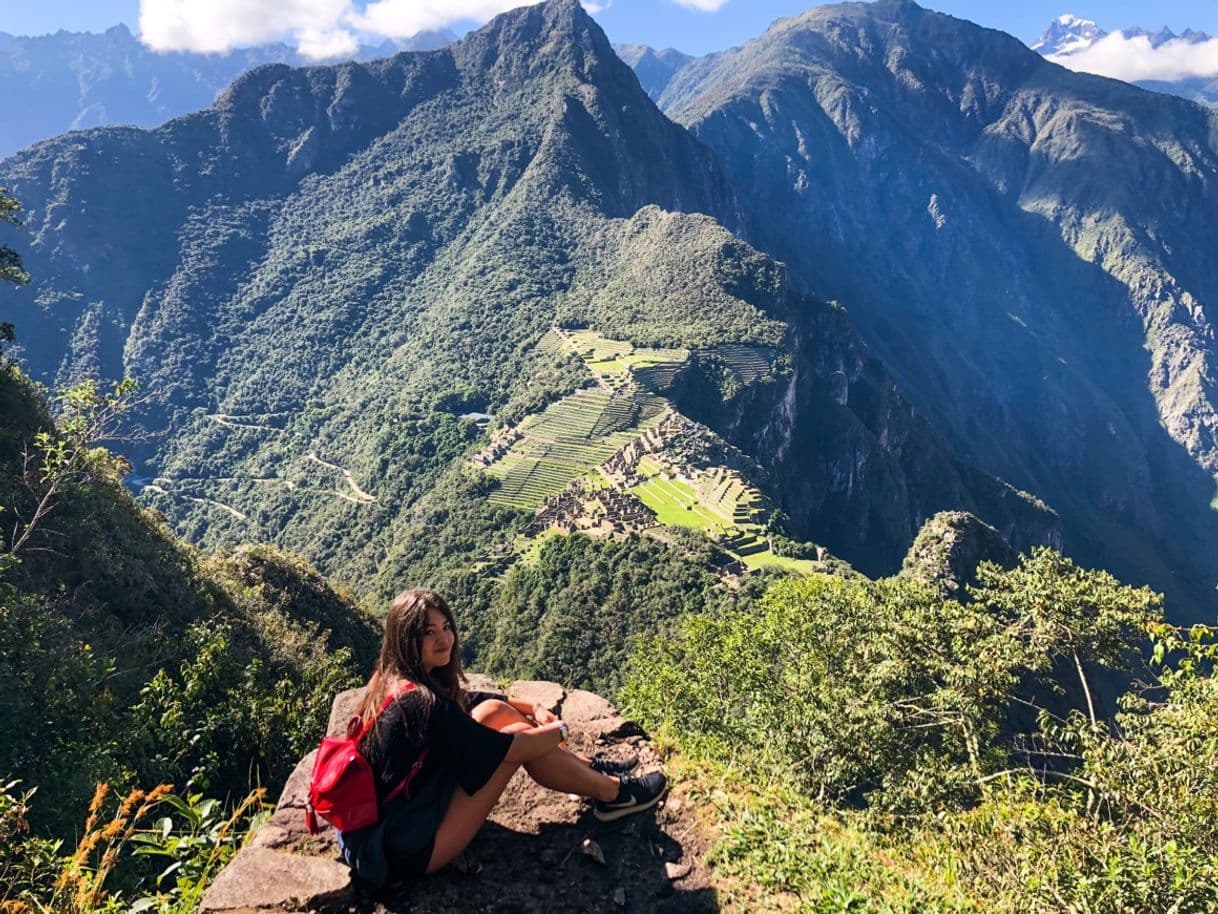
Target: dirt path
(161,490)
(217,504)
(227,420)
(361,497)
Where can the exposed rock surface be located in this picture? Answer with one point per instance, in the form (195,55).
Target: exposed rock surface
(259,879)
(950,546)
(539,850)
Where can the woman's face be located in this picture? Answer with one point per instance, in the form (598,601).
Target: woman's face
(438,638)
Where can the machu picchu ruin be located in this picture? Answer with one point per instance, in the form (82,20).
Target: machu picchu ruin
(615,458)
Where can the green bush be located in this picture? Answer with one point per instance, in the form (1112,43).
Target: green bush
(902,724)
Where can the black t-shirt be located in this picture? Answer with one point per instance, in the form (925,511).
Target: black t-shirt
(455,743)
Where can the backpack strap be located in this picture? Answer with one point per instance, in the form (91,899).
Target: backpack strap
(368,724)
(418,765)
(410,776)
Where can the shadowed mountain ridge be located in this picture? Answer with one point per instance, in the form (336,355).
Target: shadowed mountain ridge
(1023,246)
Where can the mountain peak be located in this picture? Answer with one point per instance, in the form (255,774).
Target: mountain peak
(524,43)
(1068,34)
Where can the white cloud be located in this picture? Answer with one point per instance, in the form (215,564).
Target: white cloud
(219,25)
(321,29)
(593,7)
(1134,59)
(705,6)
(327,45)
(403,18)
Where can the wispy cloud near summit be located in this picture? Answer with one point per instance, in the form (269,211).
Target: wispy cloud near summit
(1135,58)
(706,6)
(320,29)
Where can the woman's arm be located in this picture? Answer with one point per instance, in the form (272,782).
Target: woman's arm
(532,710)
(534,742)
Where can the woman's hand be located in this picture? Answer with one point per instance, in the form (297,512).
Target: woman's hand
(543,715)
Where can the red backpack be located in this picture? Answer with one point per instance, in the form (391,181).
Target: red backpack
(342,789)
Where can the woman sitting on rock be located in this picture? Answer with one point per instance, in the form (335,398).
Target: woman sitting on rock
(462,757)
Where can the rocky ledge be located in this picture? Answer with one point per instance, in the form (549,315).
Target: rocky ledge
(539,851)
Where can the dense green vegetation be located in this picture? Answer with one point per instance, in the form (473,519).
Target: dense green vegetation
(574,614)
(126,658)
(883,747)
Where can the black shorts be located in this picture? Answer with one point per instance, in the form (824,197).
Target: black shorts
(399,847)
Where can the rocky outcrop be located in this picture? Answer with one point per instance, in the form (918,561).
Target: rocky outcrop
(538,851)
(948,549)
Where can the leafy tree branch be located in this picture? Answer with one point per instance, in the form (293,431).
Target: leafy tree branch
(70,456)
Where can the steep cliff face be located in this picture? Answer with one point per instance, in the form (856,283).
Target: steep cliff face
(853,463)
(1020,245)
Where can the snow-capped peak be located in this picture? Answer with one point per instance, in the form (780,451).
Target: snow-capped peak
(1068,34)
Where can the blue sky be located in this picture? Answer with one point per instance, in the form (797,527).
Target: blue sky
(665,23)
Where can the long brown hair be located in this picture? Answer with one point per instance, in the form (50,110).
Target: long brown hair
(402,657)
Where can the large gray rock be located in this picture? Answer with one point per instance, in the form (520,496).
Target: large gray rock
(548,695)
(286,829)
(260,879)
(479,682)
(285,869)
(582,707)
(593,716)
(345,707)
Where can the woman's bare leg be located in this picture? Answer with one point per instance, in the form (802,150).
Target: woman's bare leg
(499,715)
(559,769)
(465,815)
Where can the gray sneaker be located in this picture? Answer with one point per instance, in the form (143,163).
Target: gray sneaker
(634,795)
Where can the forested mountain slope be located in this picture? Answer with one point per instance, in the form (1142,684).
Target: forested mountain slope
(128,657)
(76,80)
(318,277)
(1028,250)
